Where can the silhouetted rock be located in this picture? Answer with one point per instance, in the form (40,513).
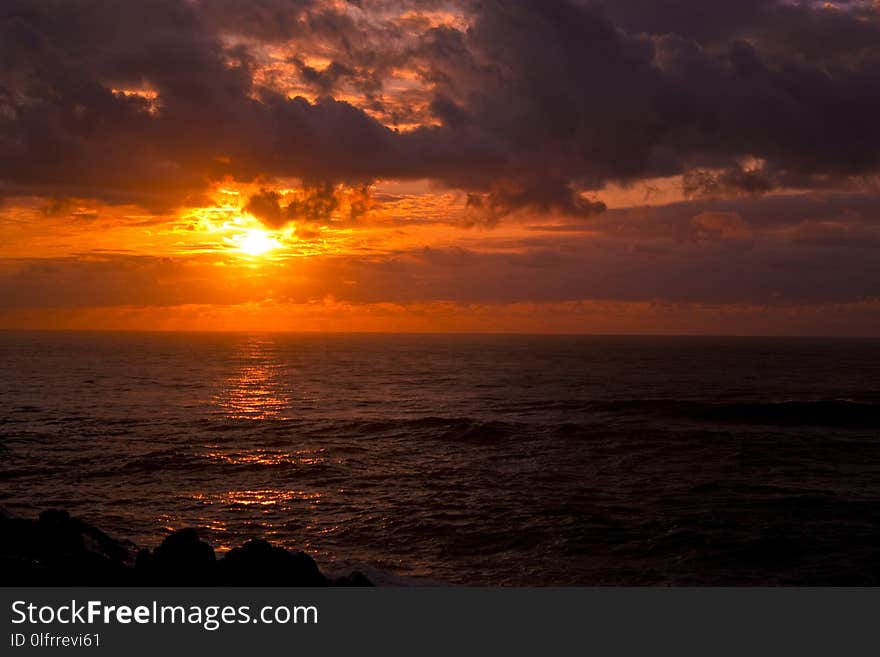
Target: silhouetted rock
(259,563)
(357,578)
(57,550)
(182,559)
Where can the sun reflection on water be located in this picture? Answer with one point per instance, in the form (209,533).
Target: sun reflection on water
(264,481)
(256,391)
(267,457)
(227,518)
(276,498)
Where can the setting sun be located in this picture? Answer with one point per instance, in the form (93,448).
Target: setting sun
(257,242)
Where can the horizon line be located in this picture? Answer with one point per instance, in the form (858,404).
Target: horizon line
(313,332)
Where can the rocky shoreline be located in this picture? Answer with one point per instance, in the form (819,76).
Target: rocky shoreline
(59,550)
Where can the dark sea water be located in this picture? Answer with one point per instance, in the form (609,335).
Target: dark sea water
(463,459)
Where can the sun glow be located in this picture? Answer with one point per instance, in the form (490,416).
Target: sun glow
(256,242)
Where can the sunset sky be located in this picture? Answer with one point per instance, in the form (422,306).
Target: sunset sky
(625,166)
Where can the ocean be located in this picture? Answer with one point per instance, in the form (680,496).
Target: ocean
(499,460)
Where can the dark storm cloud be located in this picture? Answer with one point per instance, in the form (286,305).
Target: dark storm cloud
(317,202)
(701,182)
(64,129)
(555,90)
(324,80)
(700,21)
(537,102)
(803,28)
(266,206)
(266,20)
(781,219)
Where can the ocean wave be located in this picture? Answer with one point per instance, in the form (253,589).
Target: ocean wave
(455,429)
(824,412)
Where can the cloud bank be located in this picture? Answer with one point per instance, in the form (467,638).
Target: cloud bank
(526,104)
